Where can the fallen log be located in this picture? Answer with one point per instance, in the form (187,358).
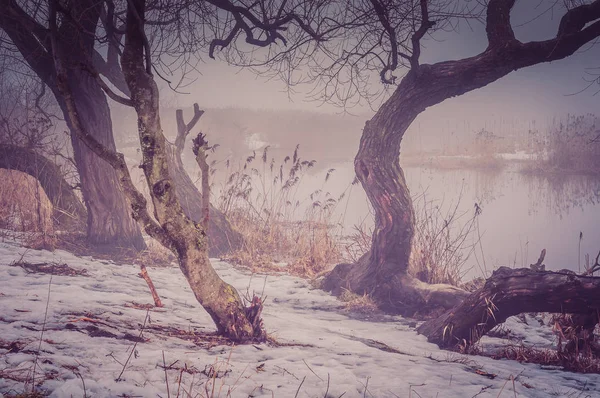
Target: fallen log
(511,292)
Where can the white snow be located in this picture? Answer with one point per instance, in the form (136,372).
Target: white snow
(327,350)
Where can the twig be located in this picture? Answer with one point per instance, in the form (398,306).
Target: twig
(134,346)
(311,370)
(144,274)
(300,386)
(82,382)
(327,390)
(502,389)
(166,376)
(179,381)
(37,354)
(513,383)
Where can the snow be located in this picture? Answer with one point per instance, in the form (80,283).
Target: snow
(322,348)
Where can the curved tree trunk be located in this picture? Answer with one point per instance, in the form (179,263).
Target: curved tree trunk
(68,213)
(382,272)
(511,292)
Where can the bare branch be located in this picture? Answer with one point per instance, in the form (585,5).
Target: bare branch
(147,51)
(498,27)
(184,129)
(268,27)
(426,24)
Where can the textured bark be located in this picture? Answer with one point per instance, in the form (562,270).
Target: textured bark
(382,272)
(188,238)
(109,222)
(511,292)
(174,230)
(109,219)
(68,213)
(221,236)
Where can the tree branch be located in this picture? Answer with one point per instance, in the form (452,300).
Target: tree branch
(426,24)
(392,63)
(270,27)
(148,56)
(510,292)
(184,129)
(21,29)
(498,27)
(111,70)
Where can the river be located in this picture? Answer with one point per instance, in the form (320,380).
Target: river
(520,214)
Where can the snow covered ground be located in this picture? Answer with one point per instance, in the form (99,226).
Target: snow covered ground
(91,327)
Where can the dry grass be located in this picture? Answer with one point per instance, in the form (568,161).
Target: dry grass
(357,303)
(24,207)
(574,363)
(281,230)
(570,146)
(443,241)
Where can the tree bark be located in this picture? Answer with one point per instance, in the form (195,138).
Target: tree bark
(382,272)
(68,213)
(511,292)
(109,223)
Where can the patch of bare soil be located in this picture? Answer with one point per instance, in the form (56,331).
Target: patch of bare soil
(50,268)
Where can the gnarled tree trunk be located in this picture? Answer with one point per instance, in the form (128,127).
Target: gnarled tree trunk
(68,213)
(382,272)
(511,292)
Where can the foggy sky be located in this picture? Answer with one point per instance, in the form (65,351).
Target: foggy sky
(536,93)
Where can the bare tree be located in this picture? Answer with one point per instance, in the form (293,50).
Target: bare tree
(382,272)
(221,237)
(386,37)
(169,223)
(109,220)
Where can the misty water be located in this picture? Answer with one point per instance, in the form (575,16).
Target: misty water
(521,214)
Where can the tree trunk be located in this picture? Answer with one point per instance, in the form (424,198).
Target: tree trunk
(68,213)
(109,223)
(382,272)
(221,237)
(511,292)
